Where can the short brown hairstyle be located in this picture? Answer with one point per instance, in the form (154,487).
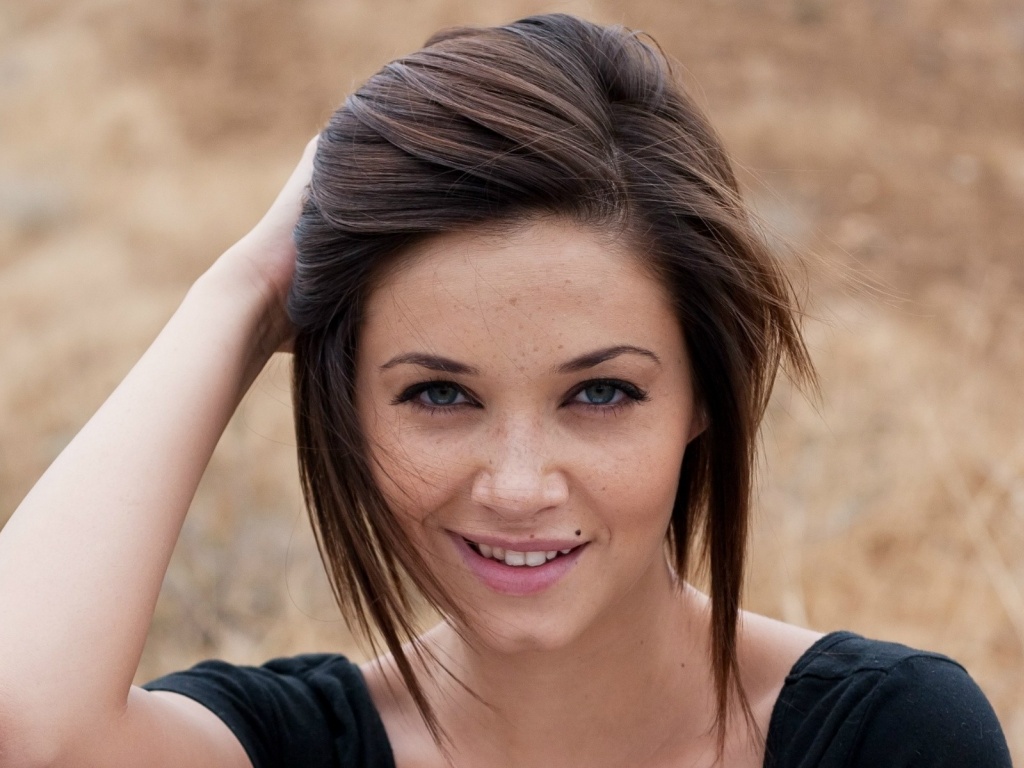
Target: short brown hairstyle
(550,115)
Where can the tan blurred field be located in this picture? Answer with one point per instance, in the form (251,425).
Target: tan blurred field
(885,138)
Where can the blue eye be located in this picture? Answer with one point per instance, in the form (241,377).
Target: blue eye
(607,395)
(435,395)
(600,393)
(441,393)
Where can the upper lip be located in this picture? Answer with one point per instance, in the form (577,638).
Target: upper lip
(522,545)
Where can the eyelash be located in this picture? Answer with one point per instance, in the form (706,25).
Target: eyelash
(410,395)
(632,395)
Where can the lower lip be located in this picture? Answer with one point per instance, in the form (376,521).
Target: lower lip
(516,580)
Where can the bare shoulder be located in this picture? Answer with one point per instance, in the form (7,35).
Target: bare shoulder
(763,635)
(768,649)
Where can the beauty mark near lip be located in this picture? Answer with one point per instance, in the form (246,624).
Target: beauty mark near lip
(519,581)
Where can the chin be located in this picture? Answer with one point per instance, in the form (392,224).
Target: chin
(525,632)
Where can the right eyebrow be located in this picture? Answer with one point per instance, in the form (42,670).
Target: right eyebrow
(431,362)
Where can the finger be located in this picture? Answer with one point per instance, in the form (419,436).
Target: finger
(290,195)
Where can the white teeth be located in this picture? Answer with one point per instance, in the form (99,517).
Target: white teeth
(515,558)
(534,559)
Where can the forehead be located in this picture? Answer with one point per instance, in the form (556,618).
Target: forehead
(546,289)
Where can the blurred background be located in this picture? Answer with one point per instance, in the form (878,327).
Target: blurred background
(882,140)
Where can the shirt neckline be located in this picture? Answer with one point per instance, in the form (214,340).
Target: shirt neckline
(819,646)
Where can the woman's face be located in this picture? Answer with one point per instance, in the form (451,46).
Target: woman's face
(527,400)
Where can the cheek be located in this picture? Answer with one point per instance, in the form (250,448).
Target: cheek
(631,479)
(416,470)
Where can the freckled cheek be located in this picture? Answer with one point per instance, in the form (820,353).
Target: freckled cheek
(417,471)
(631,481)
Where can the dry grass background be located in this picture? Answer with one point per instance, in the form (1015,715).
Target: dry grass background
(137,139)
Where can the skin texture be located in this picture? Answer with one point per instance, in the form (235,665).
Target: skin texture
(522,453)
(518,449)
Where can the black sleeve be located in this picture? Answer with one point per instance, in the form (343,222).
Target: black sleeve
(927,712)
(851,702)
(312,711)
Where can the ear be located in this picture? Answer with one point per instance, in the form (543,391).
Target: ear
(698,424)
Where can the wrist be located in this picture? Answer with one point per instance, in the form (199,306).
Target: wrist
(249,321)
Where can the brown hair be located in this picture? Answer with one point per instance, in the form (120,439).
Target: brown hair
(550,115)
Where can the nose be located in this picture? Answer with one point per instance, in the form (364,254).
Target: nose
(517,476)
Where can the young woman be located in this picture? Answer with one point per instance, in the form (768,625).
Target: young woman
(534,332)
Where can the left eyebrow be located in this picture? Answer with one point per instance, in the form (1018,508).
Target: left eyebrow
(590,359)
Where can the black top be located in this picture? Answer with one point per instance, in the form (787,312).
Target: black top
(847,703)
(851,703)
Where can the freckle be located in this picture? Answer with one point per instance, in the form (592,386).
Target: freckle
(532,536)
(513,301)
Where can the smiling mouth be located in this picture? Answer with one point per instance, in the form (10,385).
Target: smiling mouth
(515,558)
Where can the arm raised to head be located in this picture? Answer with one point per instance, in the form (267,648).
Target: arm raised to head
(83,557)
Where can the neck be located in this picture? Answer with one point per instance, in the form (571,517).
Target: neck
(641,670)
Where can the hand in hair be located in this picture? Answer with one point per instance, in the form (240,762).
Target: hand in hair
(264,259)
